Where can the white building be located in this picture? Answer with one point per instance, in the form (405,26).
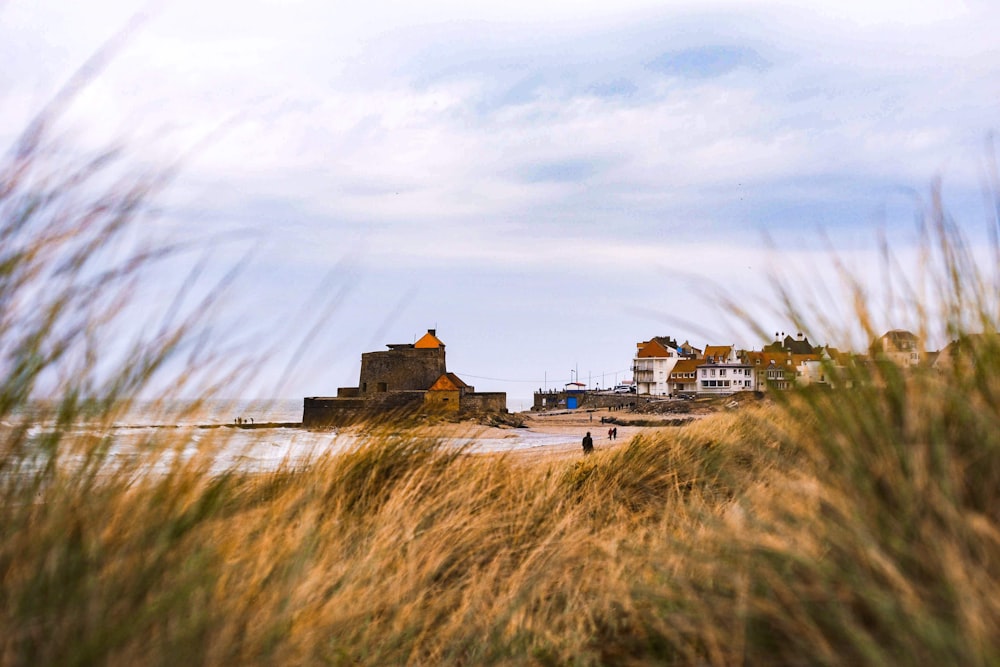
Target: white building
(651,367)
(721,372)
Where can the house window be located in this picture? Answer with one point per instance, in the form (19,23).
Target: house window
(722,372)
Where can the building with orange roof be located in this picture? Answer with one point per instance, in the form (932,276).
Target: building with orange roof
(446,394)
(404,379)
(779,368)
(722,372)
(684,377)
(429,341)
(772,369)
(653,362)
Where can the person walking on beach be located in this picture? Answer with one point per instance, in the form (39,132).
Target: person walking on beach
(614,433)
(588,443)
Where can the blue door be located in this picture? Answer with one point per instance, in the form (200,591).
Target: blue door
(571,402)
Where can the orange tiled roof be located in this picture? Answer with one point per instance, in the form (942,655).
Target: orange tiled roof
(718,351)
(428,341)
(767,358)
(448,382)
(651,348)
(686,366)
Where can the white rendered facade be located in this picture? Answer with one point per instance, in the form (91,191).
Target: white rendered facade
(652,373)
(723,373)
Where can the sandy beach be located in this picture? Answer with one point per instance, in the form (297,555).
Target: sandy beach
(562,431)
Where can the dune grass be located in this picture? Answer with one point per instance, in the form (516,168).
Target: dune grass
(754,537)
(850,526)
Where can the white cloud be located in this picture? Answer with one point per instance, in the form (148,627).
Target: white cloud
(530,138)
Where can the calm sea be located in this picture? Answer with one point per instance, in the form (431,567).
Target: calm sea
(191,428)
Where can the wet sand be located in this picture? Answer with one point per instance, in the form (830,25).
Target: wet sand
(565,432)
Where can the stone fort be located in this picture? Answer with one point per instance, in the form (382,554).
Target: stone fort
(403,380)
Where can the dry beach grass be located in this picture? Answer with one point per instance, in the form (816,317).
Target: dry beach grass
(851,526)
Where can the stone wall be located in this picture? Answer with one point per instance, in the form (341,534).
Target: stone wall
(324,412)
(494,401)
(400,369)
(443,401)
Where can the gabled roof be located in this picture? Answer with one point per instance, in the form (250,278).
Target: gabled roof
(798,345)
(968,347)
(428,341)
(765,358)
(688,349)
(718,352)
(666,341)
(686,366)
(651,348)
(448,382)
(897,340)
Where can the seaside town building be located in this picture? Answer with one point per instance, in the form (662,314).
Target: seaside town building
(684,377)
(403,380)
(653,362)
(961,354)
(898,346)
(664,369)
(798,345)
(722,372)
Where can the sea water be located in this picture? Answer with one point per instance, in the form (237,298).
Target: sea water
(240,435)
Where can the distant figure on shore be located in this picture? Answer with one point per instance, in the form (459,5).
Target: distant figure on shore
(611,433)
(614,433)
(588,443)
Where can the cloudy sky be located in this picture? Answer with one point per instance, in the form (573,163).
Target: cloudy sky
(545,183)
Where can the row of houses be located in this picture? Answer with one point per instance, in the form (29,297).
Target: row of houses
(664,367)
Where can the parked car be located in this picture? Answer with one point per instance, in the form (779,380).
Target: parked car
(624,389)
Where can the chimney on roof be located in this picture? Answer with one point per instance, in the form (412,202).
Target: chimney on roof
(432,332)
(800,336)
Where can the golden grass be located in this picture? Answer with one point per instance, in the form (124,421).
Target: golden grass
(720,542)
(852,526)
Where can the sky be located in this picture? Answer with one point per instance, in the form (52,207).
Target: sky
(544,183)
